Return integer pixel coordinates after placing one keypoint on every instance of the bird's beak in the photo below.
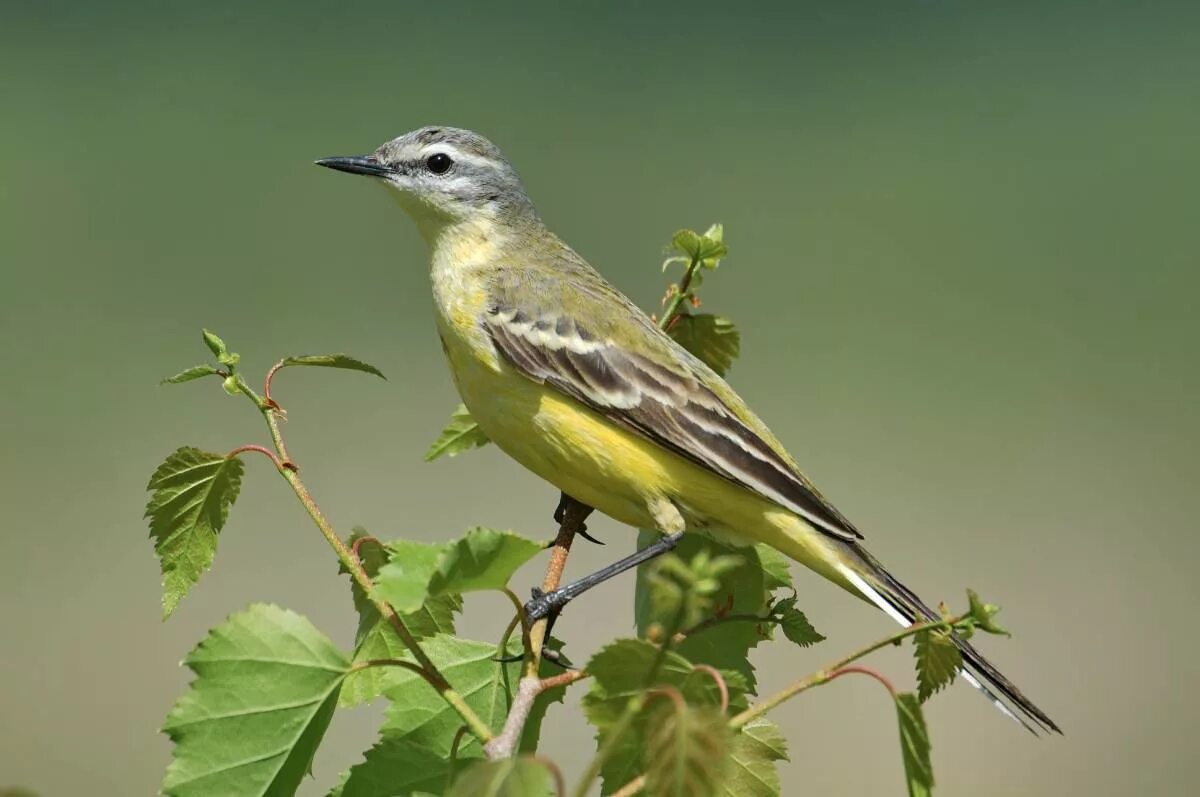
(356, 164)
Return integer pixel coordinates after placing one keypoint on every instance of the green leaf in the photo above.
(404, 580)
(620, 671)
(713, 246)
(795, 625)
(707, 249)
(750, 771)
(461, 434)
(372, 555)
(983, 614)
(685, 749)
(670, 261)
(509, 777)
(192, 493)
(214, 343)
(413, 751)
(376, 639)
(195, 372)
(914, 745)
(483, 559)
(265, 689)
(938, 661)
(742, 590)
(712, 339)
(681, 592)
(333, 361)
(380, 641)
(776, 570)
(686, 241)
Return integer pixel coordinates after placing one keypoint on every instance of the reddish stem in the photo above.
(360, 541)
(279, 464)
(716, 676)
(563, 679)
(267, 385)
(861, 670)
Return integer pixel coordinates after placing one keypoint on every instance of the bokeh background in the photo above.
(963, 257)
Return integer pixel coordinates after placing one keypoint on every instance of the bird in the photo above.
(572, 380)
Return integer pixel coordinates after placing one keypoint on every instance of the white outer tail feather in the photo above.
(871, 594)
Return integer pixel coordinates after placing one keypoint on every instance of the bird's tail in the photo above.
(881, 588)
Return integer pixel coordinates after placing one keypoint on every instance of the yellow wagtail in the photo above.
(573, 381)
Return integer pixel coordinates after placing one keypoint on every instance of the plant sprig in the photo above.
(676, 708)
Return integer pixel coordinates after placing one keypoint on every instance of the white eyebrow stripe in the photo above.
(457, 155)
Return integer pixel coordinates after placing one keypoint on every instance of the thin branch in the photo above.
(671, 310)
(267, 384)
(358, 543)
(564, 679)
(837, 668)
(858, 668)
(279, 464)
(573, 516)
(450, 771)
(429, 670)
(502, 645)
(505, 743)
(526, 642)
(704, 625)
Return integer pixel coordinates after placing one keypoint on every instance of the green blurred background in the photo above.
(963, 256)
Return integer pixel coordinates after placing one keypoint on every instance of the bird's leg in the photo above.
(549, 604)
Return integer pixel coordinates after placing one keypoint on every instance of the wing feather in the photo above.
(665, 399)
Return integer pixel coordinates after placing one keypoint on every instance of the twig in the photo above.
(858, 668)
(504, 744)
(450, 771)
(266, 452)
(728, 618)
(671, 311)
(267, 384)
(564, 679)
(573, 516)
(350, 562)
(526, 642)
(359, 543)
(836, 669)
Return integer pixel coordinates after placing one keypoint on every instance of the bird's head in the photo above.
(444, 175)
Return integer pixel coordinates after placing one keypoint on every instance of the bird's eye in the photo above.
(438, 163)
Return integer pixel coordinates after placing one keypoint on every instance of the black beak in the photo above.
(356, 164)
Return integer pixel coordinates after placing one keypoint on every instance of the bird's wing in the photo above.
(572, 331)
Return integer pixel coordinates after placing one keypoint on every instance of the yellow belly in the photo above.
(617, 471)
